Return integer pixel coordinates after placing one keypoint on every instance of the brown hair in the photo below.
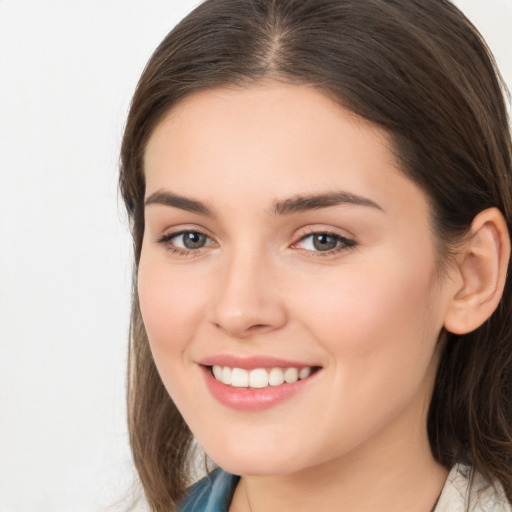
(419, 69)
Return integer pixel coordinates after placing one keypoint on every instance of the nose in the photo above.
(248, 299)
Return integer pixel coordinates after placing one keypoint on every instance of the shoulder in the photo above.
(212, 493)
(466, 489)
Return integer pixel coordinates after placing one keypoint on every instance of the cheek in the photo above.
(376, 316)
(379, 332)
(171, 305)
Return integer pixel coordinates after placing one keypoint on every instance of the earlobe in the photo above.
(482, 266)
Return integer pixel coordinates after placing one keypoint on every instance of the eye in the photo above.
(324, 242)
(190, 240)
(186, 240)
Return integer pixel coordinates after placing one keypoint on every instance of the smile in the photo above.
(257, 386)
(259, 378)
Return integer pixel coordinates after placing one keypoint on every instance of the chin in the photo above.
(255, 460)
(242, 466)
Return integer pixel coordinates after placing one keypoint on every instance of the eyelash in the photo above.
(342, 242)
(166, 239)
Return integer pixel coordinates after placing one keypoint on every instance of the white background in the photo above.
(67, 72)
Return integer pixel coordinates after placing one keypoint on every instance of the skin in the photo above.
(368, 313)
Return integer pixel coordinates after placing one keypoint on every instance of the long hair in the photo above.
(420, 70)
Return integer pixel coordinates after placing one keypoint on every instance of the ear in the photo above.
(482, 270)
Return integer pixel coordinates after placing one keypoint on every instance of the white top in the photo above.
(459, 496)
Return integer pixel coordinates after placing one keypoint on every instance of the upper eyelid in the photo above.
(324, 232)
(317, 230)
(165, 239)
(346, 241)
(328, 233)
(170, 232)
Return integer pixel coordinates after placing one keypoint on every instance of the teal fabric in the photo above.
(211, 494)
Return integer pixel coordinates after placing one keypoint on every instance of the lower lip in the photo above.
(251, 399)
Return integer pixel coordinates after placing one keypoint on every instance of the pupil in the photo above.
(324, 242)
(193, 240)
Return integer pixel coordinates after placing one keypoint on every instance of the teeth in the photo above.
(226, 375)
(259, 377)
(276, 377)
(304, 373)
(239, 378)
(291, 375)
(217, 372)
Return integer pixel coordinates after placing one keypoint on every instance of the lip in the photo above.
(249, 399)
(252, 362)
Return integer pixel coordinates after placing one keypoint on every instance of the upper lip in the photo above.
(252, 362)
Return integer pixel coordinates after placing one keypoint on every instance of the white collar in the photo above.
(466, 490)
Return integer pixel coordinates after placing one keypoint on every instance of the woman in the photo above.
(321, 205)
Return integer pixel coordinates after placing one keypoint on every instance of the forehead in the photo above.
(272, 125)
(256, 145)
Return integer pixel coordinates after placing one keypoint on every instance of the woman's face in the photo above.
(282, 240)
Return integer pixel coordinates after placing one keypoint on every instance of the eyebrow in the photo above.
(183, 203)
(303, 203)
(300, 203)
